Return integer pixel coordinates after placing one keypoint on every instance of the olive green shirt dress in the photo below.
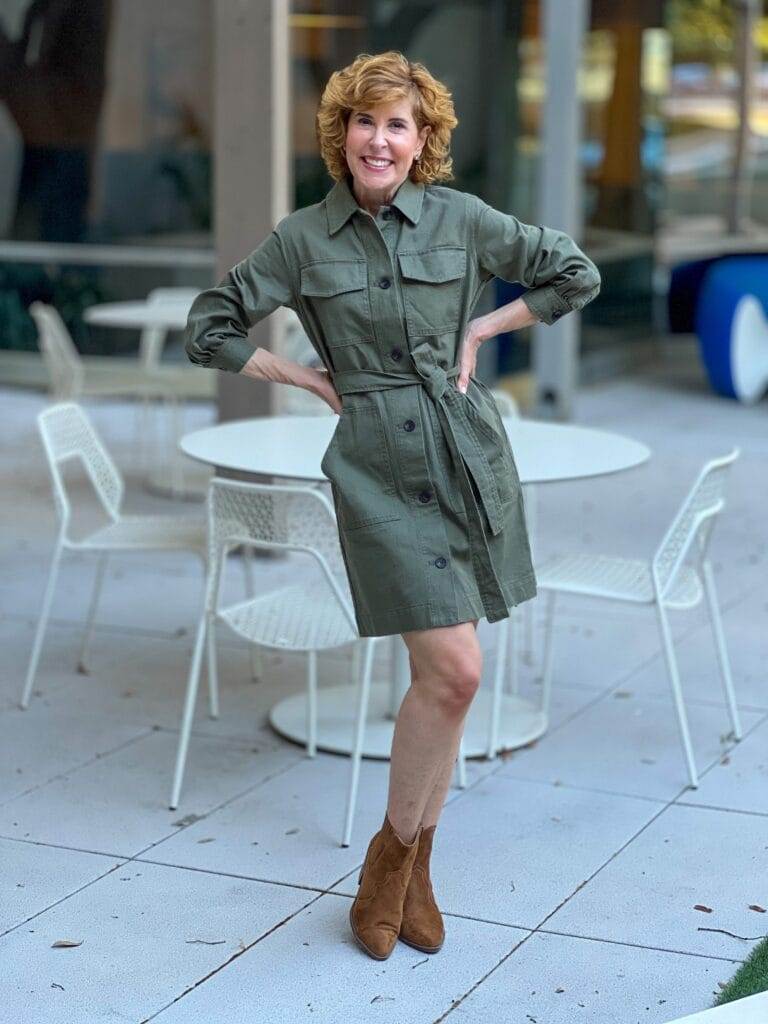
(428, 501)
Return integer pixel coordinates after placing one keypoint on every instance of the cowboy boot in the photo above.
(377, 910)
(422, 925)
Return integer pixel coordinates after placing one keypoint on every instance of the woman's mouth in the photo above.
(376, 163)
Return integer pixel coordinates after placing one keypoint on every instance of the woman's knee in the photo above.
(447, 663)
(459, 682)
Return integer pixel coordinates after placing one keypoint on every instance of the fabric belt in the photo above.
(468, 456)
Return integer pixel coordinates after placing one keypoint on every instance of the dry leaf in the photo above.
(291, 831)
(700, 906)
(757, 907)
(66, 943)
(206, 942)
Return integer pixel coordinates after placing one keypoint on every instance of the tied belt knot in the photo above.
(476, 478)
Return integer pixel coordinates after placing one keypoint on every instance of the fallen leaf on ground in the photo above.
(700, 906)
(65, 943)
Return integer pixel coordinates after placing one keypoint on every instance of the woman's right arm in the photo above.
(216, 334)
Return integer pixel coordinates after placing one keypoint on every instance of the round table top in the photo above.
(170, 314)
(293, 446)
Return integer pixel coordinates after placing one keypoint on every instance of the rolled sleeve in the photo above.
(561, 278)
(216, 333)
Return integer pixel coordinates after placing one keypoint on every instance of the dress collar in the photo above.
(340, 202)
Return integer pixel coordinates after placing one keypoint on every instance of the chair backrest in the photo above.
(152, 339)
(67, 433)
(65, 367)
(286, 517)
(505, 403)
(694, 520)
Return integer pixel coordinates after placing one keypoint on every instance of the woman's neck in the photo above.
(370, 200)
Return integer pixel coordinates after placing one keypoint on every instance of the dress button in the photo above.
(557, 314)
(396, 353)
(387, 215)
(440, 562)
(425, 496)
(384, 282)
(409, 425)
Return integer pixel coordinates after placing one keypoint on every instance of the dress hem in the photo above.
(417, 617)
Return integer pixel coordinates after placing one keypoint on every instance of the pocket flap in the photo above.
(434, 265)
(332, 277)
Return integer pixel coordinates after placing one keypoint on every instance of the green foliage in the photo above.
(701, 29)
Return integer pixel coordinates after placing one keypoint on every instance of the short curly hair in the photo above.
(377, 78)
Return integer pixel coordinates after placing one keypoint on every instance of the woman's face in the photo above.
(381, 144)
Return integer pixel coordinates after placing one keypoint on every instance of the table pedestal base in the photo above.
(180, 479)
(519, 722)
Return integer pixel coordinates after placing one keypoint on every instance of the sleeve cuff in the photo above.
(546, 304)
(232, 355)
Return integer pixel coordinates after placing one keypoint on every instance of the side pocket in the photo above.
(357, 461)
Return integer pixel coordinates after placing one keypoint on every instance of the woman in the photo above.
(384, 274)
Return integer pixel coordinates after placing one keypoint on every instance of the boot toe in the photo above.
(378, 942)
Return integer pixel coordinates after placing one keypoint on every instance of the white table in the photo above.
(293, 446)
(170, 314)
(172, 477)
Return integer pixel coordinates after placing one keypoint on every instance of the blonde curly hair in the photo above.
(372, 79)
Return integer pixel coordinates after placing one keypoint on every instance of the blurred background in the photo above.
(108, 150)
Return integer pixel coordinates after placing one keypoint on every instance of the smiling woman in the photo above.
(384, 275)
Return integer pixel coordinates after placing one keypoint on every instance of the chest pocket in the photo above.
(337, 293)
(432, 288)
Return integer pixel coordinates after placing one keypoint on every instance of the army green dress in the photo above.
(427, 496)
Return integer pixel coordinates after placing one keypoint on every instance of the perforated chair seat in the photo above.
(160, 533)
(297, 617)
(621, 579)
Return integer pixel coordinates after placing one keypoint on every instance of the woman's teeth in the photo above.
(376, 163)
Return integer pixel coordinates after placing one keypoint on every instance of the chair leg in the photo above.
(461, 766)
(82, 661)
(394, 690)
(213, 671)
(356, 662)
(42, 623)
(549, 629)
(722, 650)
(677, 693)
(311, 703)
(530, 501)
(193, 681)
(257, 660)
(502, 630)
(357, 747)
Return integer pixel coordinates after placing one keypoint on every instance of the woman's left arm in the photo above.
(561, 278)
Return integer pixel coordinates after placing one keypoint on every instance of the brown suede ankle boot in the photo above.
(422, 926)
(377, 910)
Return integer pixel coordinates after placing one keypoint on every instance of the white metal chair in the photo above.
(508, 632)
(311, 615)
(67, 375)
(676, 577)
(68, 378)
(67, 434)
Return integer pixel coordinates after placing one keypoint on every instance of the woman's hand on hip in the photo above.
(511, 317)
(322, 386)
(473, 339)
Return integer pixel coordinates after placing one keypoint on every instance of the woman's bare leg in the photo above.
(439, 792)
(446, 664)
